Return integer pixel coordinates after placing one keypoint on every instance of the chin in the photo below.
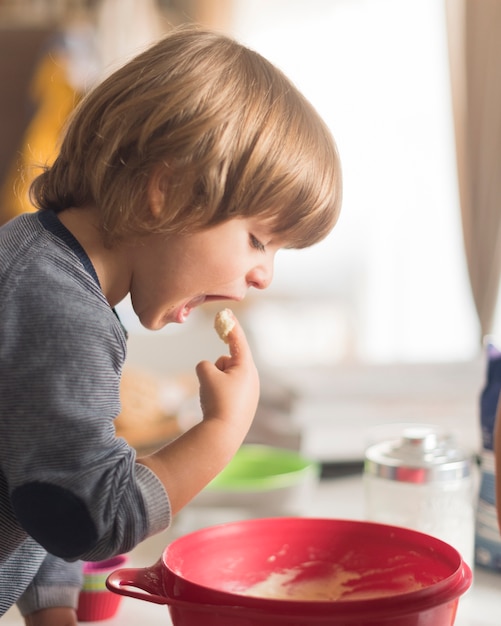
(156, 319)
(155, 324)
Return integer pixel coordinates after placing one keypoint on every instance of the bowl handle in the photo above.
(147, 579)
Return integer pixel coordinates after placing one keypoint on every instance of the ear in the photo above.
(157, 190)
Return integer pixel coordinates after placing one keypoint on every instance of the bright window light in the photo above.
(377, 71)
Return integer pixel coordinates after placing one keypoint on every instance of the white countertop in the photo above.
(335, 497)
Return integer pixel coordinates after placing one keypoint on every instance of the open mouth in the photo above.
(188, 307)
(198, 301)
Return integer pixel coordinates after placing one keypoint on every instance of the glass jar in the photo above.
(423, 481)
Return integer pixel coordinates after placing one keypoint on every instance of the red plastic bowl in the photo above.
(202, 576)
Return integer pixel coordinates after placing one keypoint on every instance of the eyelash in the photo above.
(255, 243)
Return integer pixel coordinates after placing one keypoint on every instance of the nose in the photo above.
(260, 277)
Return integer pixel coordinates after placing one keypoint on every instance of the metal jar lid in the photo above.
(421, 455)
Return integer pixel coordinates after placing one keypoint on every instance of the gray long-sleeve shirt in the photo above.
(69, 488)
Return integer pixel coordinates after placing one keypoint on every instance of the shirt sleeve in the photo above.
(75, 486)
(57, 584)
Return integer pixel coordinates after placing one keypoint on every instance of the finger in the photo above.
(237, 342)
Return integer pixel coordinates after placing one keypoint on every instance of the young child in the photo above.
(178, 179)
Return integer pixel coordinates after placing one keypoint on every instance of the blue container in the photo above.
(487, 534)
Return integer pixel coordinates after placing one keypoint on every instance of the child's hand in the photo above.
(229, 388)
(229, 392)
(56, 616)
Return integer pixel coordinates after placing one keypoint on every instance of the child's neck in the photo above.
(110, 263)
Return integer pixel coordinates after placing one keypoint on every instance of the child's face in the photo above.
(173, 275)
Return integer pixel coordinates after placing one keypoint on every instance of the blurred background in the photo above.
(386, 319)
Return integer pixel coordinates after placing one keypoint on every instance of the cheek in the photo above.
(228, 272)
(218, 266)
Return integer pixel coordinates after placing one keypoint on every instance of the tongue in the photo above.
(186, 310)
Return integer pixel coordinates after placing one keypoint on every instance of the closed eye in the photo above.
(255, 243)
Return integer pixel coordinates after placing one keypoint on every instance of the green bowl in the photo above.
(264, 468)
(259, 481)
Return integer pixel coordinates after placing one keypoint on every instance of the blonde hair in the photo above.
(235, 137)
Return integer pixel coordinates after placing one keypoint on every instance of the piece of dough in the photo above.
(224, 323)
